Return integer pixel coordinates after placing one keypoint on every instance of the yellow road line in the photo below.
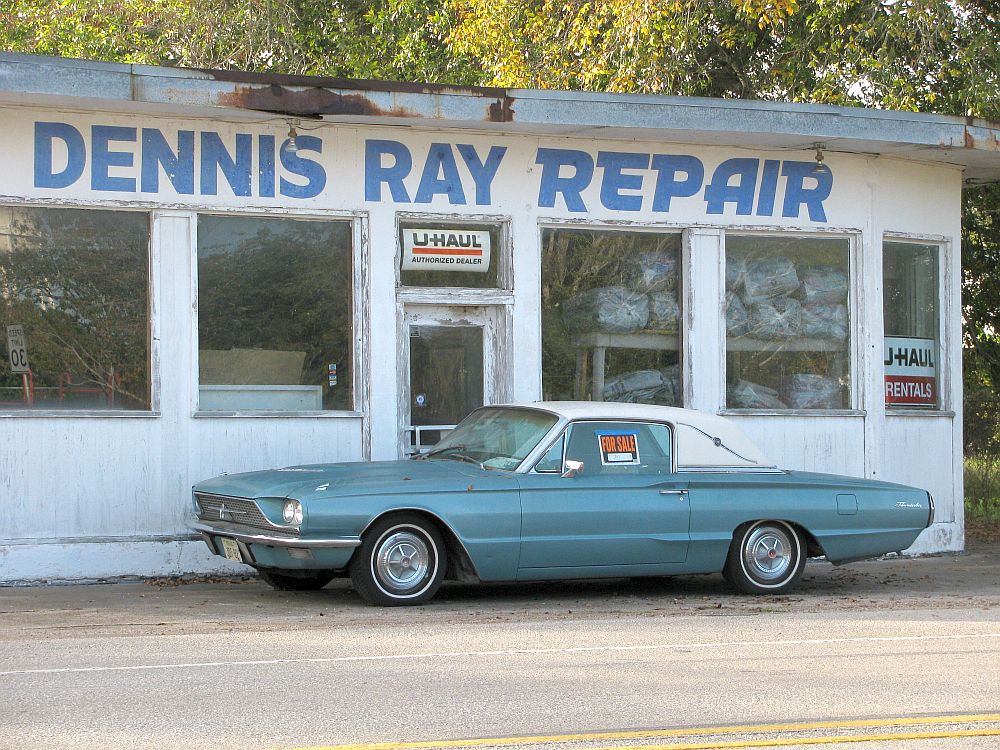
(801, 741)
(708, 731)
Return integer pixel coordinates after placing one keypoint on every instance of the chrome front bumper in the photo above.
(270, 540)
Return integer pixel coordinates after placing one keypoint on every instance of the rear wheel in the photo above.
(401, 561)
(312, 580)
(765, 557)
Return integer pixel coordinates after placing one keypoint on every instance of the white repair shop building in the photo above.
(207, 271)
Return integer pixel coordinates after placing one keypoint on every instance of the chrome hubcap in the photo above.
(402, 560)
(767, 553)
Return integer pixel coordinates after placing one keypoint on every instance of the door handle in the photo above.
(674, 492)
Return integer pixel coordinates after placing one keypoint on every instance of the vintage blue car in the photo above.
(555, 490)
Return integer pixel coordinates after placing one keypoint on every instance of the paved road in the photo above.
(296, 688)
(648, 664)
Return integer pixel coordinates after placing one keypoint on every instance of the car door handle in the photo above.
(674, 492)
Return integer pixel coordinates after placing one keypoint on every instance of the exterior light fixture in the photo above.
(291, 144)
(820, 166)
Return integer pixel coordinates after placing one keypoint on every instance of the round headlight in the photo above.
(291, 512)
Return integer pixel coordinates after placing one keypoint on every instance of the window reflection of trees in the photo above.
(282, 285)
(77, 280)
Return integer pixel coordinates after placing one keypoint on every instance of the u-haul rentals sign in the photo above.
(910, 371)
(446, 250)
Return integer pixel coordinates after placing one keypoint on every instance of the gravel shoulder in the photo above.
(209, 605)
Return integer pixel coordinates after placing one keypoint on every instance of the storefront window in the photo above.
(274, 314)
(435, 254)
(611, 315)
(787, 323)
(910, 312)
(74, 309)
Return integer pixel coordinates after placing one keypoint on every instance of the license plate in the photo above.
(231, 549)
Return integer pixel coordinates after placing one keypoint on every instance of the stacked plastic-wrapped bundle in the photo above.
(607, 309)
(664, 312)
(769, 299)
(645, 386)
(654, 272)
(767, 278)
(737, 318)
(771, 312)
(776, 318)
(808, 391)
(821, 321)
(824, 303)
(648, 302)
(746, 395)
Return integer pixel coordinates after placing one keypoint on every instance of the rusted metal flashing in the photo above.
(989, 141)
(310, 102)
(349, 84)
(502, 110)
(310, 96)
(317, 101)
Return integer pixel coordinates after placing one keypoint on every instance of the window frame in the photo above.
(152, 322)
(501, 294)
(562, 432)
(853, 346)
(360, 317)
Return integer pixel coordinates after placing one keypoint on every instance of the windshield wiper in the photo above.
(466, 457)
(439, 451)
(448, 450)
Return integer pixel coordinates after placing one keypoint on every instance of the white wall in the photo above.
(92, 496)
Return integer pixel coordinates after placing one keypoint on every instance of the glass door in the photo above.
(449, 369)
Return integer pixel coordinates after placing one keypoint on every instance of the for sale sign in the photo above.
(910, 371)
(17, 349)
(618, 448)
(446, 250)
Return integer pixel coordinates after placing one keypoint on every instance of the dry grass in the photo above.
(982, 499)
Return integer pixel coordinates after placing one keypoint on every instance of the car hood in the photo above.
(357, 478)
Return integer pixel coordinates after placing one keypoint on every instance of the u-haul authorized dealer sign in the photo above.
(910, 371)
(446, 250)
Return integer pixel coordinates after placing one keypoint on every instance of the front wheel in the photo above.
(401, 561)
(766, 557)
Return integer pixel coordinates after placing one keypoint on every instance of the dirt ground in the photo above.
(192, 605)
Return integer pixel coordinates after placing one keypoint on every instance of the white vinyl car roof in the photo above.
(704, 441)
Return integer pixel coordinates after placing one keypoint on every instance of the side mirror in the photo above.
(572, 469)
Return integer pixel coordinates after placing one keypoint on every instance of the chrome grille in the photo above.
(234, 510)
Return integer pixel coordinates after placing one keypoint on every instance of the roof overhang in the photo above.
(971, 144)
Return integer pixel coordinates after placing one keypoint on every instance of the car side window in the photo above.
(552, 461)
(640, 448)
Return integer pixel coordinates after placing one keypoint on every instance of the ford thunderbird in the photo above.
(550, 491)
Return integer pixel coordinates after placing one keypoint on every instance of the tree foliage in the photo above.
(77, 281)
(911, 54)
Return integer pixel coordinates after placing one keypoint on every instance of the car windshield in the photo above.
(495, 438)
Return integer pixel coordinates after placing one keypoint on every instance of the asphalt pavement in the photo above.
(206, 604)
(895, 653)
